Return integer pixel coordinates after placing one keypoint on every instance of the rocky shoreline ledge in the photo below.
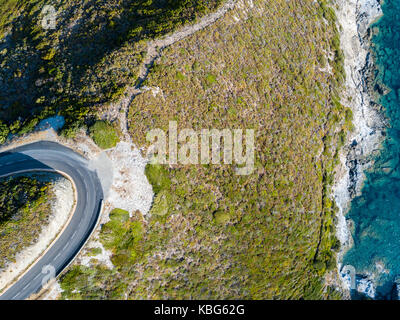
(364, 142)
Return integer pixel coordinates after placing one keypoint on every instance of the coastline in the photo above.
(364, 142)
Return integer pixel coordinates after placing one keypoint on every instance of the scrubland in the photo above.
(272, 66)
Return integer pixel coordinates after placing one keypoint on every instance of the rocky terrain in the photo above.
(364, 142)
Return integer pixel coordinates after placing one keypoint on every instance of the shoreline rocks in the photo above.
(364, 142)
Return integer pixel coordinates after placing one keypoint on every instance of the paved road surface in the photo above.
(51, 156)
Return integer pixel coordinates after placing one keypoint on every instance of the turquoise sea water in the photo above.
(376, 213)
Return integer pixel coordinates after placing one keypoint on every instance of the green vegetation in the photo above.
(25, 209)
(81, 278)
(161, 204)
(4, 131)
(158, 177)
(84, 63)
(338, 64)
(104, 134)
(221, 217)
(267, 235)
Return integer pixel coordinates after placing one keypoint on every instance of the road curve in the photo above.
(50, 156)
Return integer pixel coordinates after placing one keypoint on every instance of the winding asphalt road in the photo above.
(50, 156)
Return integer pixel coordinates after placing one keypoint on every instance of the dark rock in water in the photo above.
(353, 177)
(380, 89)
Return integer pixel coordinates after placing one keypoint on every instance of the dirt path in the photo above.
(121, 109)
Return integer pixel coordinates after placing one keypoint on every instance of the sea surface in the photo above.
(376, 212)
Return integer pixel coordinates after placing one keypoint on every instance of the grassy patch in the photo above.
(24, 210)
(123, 236)
(221, 217)
(104, 134)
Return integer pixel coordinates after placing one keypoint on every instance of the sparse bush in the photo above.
(62, 78)
(104, 134)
